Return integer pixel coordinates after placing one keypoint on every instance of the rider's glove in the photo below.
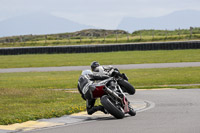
(115, 73)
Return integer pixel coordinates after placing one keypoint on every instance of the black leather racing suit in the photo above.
(86, 84)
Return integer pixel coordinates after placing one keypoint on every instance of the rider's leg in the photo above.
(90, 106)
(90, 102)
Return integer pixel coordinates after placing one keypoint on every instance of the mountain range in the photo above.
(38, 23)
(179, 19)
(45, 23)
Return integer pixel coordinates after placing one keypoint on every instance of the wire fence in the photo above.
(103, 38)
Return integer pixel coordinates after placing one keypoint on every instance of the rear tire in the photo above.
(111, 108)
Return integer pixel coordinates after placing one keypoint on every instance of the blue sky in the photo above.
(98, 13)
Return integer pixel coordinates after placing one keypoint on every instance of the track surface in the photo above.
(175, 111)
(79, 68)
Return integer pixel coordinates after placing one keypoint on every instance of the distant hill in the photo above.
(38, 23)
(73, 35)
(97, 32)
(180, 19)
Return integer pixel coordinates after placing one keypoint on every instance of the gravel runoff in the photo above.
(121, 67)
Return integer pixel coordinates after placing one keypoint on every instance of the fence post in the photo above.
(104, 37)
(116, 36)
(3, 41)
(21, 39)
(91, 37)
(57, 37)
(179, 33)
(191, 29)
(80, 38)
(69, 38)
(8, 40)
(127, 36)
(13, 40)
(153, 34)
(35, 39)
(166, 33)
(24, 40)
(31, 39)
(45, 39)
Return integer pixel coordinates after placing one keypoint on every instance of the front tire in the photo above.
(111, 108)
(126, 86)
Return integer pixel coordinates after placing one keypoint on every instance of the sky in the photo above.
(98, 13)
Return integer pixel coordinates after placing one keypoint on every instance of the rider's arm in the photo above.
(108, 68)
(79, 89)
(97, 76)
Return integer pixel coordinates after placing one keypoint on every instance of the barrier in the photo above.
(101, 48)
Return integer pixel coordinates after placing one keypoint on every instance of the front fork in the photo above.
(126, 105)
(123, 100)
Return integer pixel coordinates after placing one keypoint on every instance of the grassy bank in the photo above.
(31, 96)
(93, 36)
(109, 58)
(114, 40)
(88, 41)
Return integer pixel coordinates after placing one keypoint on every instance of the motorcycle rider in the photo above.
(124, 84)
(86, 84)
(95, 67)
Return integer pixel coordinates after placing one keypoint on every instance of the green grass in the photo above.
(20, 105)
(61, 80)
(84, 41)
(31, 96)
(43, 80)
(163, 76)
(108, 58)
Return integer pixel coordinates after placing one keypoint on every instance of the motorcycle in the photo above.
(112, 96)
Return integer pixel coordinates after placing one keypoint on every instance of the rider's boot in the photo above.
(102, 109)
(95, 109)
(132, 112)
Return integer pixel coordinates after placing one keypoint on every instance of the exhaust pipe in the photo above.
(109, 91)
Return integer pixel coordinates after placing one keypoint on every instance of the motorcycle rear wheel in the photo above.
(111, 107)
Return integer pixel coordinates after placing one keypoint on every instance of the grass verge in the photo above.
(131, 38)
(128, 57)
(31, 96)
(20, 105)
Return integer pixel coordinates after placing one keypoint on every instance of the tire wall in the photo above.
(101, 48)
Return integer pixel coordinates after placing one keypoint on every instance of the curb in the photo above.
(76, 118)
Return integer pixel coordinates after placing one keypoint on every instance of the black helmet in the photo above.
(94, 64)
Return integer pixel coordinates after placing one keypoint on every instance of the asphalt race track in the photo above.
(169, 111)
(121, 67)
(158, 111)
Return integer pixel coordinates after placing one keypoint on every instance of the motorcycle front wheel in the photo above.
(111, 107)
(126, 86)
